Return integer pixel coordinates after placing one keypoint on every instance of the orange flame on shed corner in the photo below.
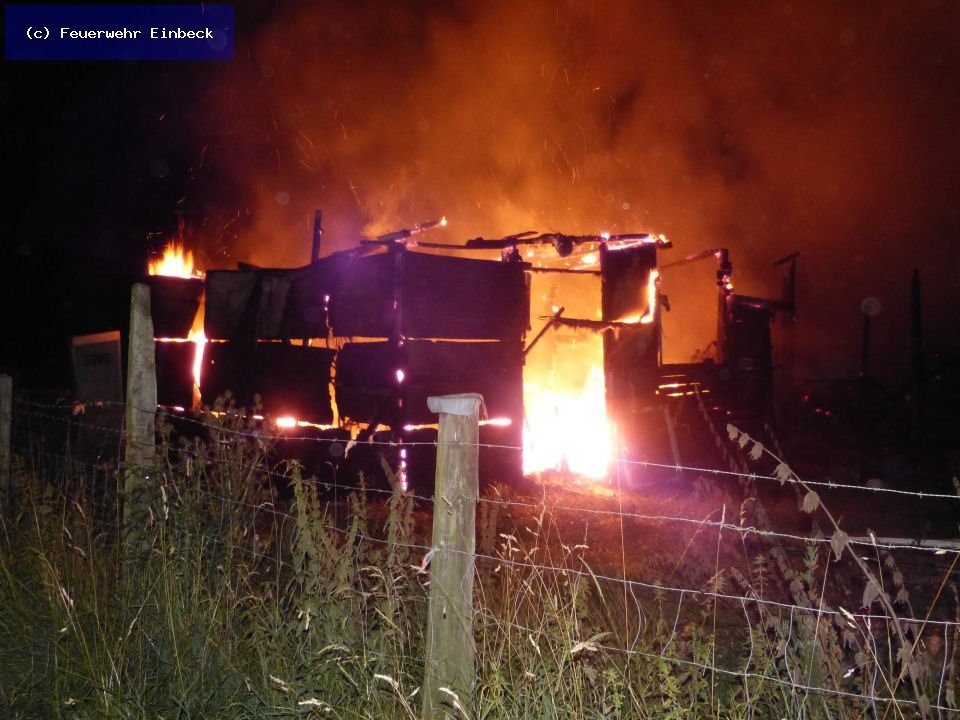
(652, 282)
(177, 262)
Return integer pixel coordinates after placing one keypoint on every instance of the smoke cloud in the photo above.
(764, 127)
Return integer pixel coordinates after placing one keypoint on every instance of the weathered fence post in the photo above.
(449, 672)
(6, 421)
(141, 408)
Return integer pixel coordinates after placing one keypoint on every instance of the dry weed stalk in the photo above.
(840, 541)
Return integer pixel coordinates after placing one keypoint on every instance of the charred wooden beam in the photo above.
(551, 322)
(317, 234)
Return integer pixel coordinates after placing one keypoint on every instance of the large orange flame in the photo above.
(566, 427)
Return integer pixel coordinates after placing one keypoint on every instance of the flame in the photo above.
(175, 262)
(199, 339)
(681, 389)
(289, 422)
(565, 425)
(649, 314)
(651, 297)
(492, 422)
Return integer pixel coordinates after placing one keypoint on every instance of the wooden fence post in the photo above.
(140, 417)
(6, 421)
(449, 672)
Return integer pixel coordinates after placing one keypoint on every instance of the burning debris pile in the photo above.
(561, 335)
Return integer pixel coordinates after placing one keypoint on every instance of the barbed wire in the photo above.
(683, 592)
(925, 545)
(524, 563)
(653, 587)
(699, 522)
(426, 550)
(745, 673)
(947, 627)
(260, 433)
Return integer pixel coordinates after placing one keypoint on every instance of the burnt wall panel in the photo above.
(294, 380)
(631, 367)
(749, 354)
(631, 354)
(223, 371)
(290, 379)
(175, 373)
(460, 298)
(229, 295)
(493, 369)
(305, 314)
(748, 336)
(436, 297)
(270, 299)
(365, 383)
(173, 304)
(367, 389)
(624, 274)
(247, 304)
(361, 305)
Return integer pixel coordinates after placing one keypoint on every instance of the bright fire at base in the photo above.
(566, 428)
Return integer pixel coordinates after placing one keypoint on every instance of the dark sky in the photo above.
(765, 127)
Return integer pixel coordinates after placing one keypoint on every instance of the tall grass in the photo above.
(255, 595)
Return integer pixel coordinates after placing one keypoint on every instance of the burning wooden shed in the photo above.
(354, 343)
(388, 329)
(358, 340)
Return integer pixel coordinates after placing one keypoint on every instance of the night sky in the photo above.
(764, 127)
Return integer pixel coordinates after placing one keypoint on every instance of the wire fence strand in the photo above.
(535, 545)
